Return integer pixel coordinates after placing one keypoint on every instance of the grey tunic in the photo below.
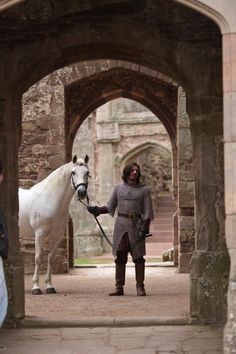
(130, 199)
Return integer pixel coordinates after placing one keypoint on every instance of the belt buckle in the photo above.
(132, 216)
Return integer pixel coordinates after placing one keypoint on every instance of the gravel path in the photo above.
(83, 293)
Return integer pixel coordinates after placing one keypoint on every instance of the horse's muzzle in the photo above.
(81, 192)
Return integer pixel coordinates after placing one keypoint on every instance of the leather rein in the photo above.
(100, 226)
(86, 205)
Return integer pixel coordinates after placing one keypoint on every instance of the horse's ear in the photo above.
(74, 159)
(86, 159)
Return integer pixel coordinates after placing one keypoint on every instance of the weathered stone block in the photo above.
(184, 262)
(187, 247)
(186, 223)
(88, 246)
(211, 264)
(207, 298)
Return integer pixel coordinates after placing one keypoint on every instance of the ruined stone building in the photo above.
(174, 57)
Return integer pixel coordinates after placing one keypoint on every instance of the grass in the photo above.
(100, 260)
(84, 261)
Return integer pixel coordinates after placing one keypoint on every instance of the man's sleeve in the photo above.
(112, 203)
(148, 207)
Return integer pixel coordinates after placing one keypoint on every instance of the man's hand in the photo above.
(143, 232)
(95, 210)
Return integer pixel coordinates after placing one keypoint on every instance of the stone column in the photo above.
(87, 237)
(185, 244)
(210, 261)
(107, 135)
(41, 152)
(9, 143)
(229, 65)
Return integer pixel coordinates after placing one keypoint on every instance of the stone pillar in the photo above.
(185, 244)
(210, 261)
(229, 60)
(107, 135)
(175, 195)
(87, 237)
(41, 152)
(9, 143)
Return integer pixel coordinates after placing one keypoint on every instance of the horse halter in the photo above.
(76, 186)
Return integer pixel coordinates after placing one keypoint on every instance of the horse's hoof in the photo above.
(36, 291)
(51, 291)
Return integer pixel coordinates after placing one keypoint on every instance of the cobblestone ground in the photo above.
(136, 340)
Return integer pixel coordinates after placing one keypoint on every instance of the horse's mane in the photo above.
(62, 172)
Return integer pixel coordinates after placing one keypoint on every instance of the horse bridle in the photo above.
(76, 186)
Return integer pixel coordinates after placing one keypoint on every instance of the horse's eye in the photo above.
(73, 173)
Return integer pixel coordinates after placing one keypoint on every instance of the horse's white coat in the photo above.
(44, 210)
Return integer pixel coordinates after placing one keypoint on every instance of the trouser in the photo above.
(121, 260)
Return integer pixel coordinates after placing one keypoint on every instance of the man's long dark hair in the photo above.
(1, 167)
(127, 171)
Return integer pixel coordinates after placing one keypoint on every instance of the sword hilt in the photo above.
(148, 235)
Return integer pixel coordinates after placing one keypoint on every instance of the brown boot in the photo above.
(139, 272)
(118, 292)
(120, 280)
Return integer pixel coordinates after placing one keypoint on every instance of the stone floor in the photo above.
(82, 319)
(104, 340)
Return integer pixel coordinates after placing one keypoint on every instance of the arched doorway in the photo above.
(206, 124)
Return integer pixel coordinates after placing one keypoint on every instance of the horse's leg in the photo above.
(39, 237)
(53, 245)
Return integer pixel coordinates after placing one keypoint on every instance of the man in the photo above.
(3, 255)
(132, 199)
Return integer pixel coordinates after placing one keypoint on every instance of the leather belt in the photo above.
(130, 216)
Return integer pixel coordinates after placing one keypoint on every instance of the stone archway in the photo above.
(164, 45)
(45, 152)
(86, 95)
(107, 151)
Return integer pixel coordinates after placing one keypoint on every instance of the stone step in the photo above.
(165, 223)
(158, 233)
(163, 215)
(165, 200)
(166, 208)
(161, 226)
(156, 249)
(161, 232)
(162, 221)
(161, 239)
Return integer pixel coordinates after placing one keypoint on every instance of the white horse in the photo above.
(44, 211)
